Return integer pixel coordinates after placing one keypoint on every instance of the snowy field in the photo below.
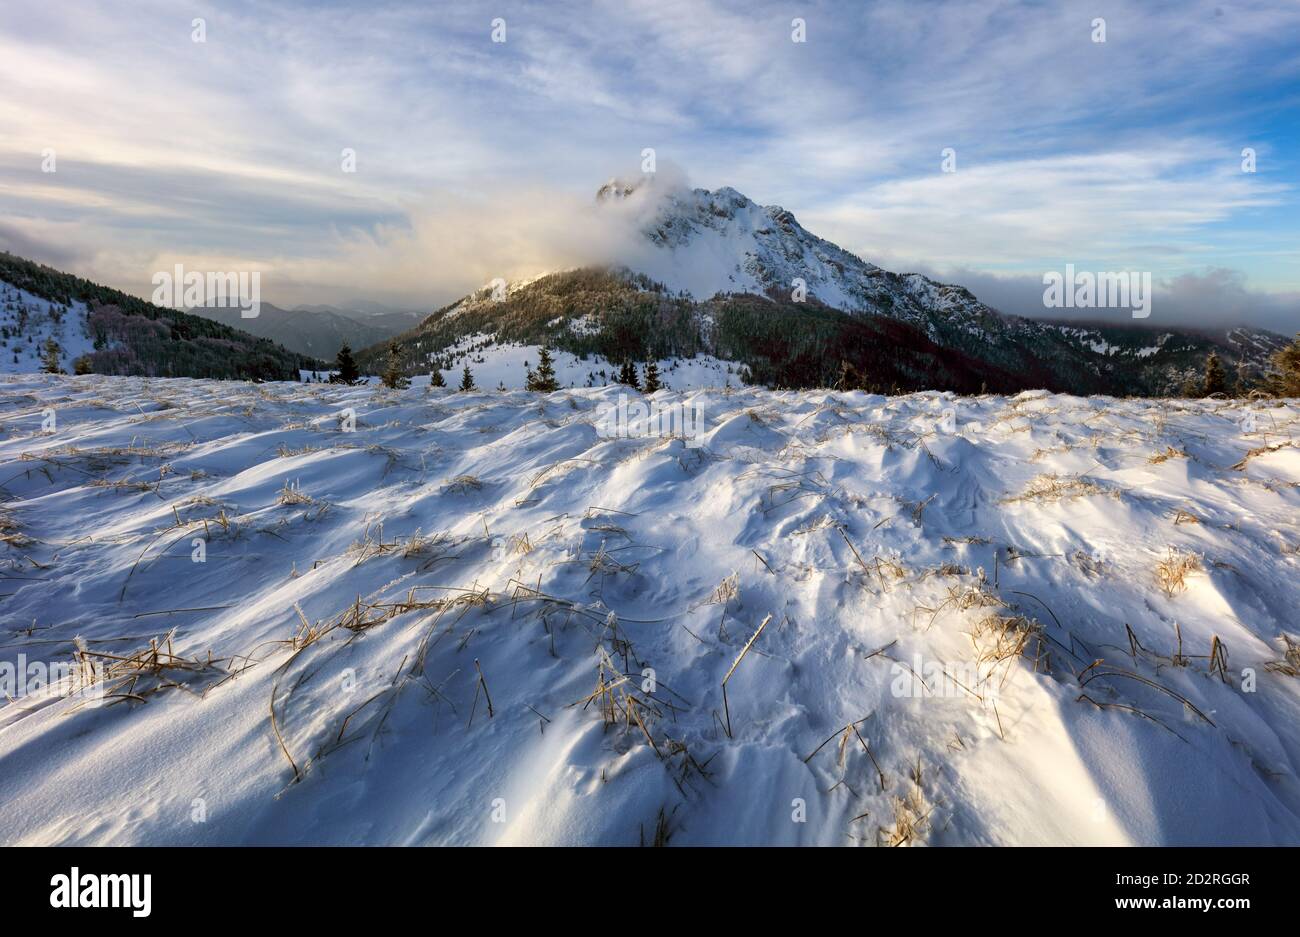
(290, 613)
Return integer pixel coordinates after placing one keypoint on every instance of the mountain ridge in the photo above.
(699, 251)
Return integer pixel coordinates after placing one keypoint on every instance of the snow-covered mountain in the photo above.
(714, 273)
(723, 242)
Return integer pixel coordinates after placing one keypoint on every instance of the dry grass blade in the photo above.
(1172, 571)
(1053, 487)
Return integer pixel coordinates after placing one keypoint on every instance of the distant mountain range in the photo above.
(320, 330)
(715, 274)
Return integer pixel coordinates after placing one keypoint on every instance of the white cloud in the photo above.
(1107, 208)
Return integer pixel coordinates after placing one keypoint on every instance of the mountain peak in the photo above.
(616, 189)
(707, 242)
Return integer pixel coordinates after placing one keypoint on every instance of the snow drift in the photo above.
(318, 614)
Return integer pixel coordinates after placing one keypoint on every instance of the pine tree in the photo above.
(627, 374)
(50, 360)
(1285, 379)
(346, 365)
(1216, 379)
(651, 383)
(467, 380)
(436, 379)
(392, 376)
(543, 379)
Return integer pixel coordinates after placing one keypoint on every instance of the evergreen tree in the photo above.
(50, 360)
(392, 376)
(82, 365)
(1285, 379)
(1216, 379)
(651, 382)
(436, 379)
(346, 365)
(543, 379)
(627, 374)
(467, 380)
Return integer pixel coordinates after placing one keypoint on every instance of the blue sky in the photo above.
(475, 158)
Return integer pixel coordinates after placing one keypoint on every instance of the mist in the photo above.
(1217, 298)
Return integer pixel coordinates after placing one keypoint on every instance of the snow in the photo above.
(493, 364)
(379, 565)
(704, 243)
(30, 321)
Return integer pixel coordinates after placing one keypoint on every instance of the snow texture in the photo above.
(440, 617)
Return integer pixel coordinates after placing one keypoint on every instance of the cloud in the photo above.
(1104, 208)
(455, 243)
(47, 249)
(1212, 298)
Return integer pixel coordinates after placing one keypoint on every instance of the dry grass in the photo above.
(1169, 453)
(1052, 487)
(962, 598)
(727, 590)
(1003, 637)
(1290, 662)
(462, 484)
(138, 676)
(123, 485)
(603, 563)
(418, 544)
(1091, 565)
(292, 494)
(519, 545)
(286, 452)
(1172, 571)
(10, 532)
(1258, 451)
(911, 818)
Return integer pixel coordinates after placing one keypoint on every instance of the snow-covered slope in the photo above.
(496, 364)
(28, 321)
(477, 618)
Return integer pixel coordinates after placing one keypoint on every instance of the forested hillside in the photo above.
(133, 337)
